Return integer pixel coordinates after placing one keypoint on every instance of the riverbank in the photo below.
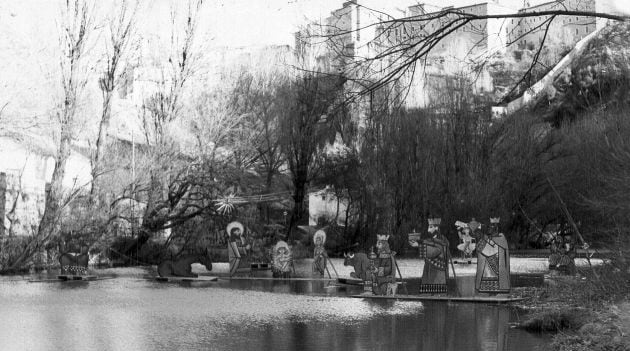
(587, 312)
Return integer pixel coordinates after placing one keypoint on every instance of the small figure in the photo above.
(493, 261)
(282, 260)
(435, 253)
(238, 249)
(73, 259)
(467, 245)
(320, 257)
(360, 262)
(563, 251)
(385, 268)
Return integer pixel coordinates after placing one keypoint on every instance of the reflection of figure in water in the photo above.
(238, 248)
(319, 253)
(385, 268)
(562, 246)
(435, 253)
(493, 261)
(282, 261)
(467, 242)
(492, 327)
(360, 262)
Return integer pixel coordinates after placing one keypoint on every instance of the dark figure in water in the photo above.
(73, 262)
(360, 262)
(181, 267)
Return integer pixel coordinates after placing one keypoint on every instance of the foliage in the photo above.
(312, 104)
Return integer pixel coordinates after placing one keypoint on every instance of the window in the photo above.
(576, 31)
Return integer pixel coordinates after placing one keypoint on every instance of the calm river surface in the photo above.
(132, 313)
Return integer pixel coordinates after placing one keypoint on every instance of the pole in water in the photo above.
(332, 265)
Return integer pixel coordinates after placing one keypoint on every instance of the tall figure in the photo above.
(320, 257)
(434, 251)
(493, 261)
(385, 267)
(238, 249)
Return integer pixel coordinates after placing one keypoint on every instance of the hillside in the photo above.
(596, 80)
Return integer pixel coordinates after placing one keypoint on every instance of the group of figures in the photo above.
(493, 258)
(246, 255)
(378, 270)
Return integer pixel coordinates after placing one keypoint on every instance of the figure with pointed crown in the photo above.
(434, 251)
(384, 267)
(320, 257)
(493, 261)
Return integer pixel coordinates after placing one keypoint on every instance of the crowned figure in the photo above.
(493, 261)
(434, 251)
(320, 257)
(384, 266)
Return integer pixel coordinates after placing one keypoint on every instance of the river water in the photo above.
(129, 312)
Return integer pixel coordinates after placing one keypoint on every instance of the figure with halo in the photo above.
(320, 257)
(238, 248)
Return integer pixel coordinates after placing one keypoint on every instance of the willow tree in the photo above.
(312, 103)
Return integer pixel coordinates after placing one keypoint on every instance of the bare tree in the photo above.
(159, 112)
(121, 32)
(75, 29)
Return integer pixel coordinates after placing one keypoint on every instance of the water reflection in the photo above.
(133, 314)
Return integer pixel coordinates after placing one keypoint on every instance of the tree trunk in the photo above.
(50, 225)
(299, 194)
(100, 145)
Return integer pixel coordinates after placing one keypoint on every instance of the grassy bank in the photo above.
(588, 312)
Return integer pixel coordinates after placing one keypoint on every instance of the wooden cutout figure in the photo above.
(73, 259)
(467, 242)
(434, 251)
(181, 267)
(563, 250)
(320, 257)
(493, 261)
(282, 261)
(360, 262)
(385, 268)
(238, 249)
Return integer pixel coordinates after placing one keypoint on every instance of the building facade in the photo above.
(368, 43)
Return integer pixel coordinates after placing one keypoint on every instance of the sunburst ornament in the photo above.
(225, 206)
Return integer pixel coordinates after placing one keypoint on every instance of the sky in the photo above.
(264, 22)
(225, 22)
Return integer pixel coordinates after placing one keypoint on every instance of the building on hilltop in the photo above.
(358, 41)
